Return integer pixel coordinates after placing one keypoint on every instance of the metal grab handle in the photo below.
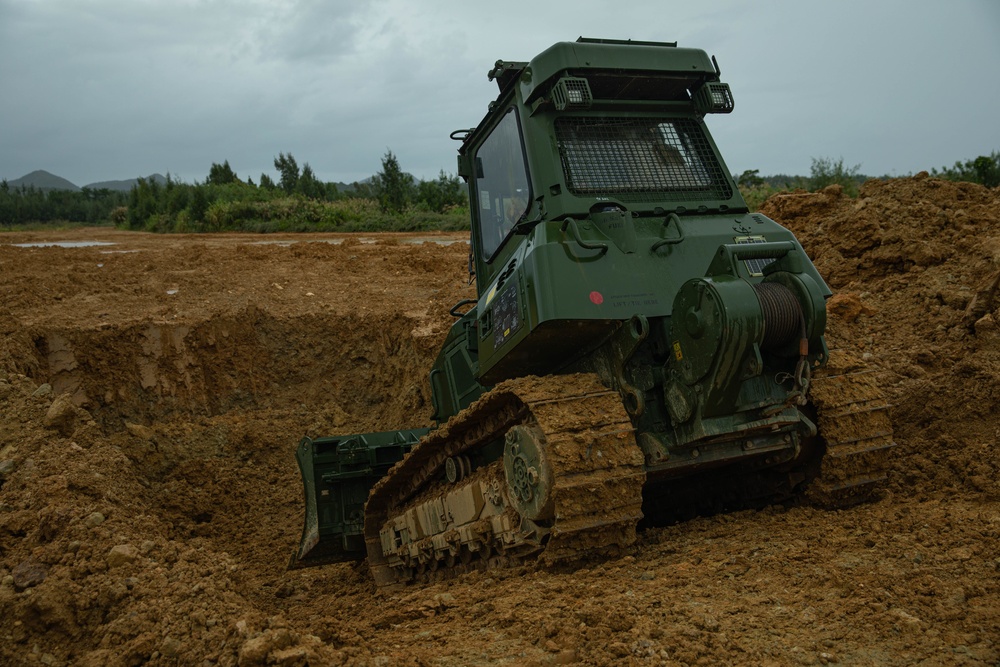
(680, 233)
(769, 250)
(434, 394)
(728, 254)
(575, 231)
(464, 302)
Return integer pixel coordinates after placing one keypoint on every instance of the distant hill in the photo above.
(126, 185)
(43, 180)
(349, 187)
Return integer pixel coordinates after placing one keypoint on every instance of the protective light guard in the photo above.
(714, 97)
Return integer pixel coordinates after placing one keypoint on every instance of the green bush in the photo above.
(756, 195)
(183, 224)
(160, 222)
(119, 216)
(825, 172)
(984, 170)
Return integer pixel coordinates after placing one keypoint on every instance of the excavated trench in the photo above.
(205, 411)
(192, 427)
(145, 373)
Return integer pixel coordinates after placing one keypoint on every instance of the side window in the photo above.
(502, 193)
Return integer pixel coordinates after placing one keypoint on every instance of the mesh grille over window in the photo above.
(640, 159)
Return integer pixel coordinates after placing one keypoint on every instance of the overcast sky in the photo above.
(95, 90)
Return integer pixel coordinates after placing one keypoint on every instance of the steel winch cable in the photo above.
(782, 313)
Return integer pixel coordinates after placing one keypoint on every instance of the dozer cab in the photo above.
(641, 341)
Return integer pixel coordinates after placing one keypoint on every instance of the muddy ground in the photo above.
(152, 393)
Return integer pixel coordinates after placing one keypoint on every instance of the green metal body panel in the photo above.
(608, 236)
(454, 384)
(583, 294)
(603, 55)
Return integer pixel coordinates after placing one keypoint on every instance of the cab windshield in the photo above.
(502, 191)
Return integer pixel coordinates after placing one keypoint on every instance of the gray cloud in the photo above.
(95, 90)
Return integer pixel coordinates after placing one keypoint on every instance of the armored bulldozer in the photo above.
(641, 341)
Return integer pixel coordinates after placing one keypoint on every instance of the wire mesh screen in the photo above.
(640, 159)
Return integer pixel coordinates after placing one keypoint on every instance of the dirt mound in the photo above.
(915, 265)
(152, 393)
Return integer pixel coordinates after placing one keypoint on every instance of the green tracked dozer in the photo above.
(641, 342)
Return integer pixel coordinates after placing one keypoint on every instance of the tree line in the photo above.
(295, 200)
(391, 200)
(984, 170)
(21, 205)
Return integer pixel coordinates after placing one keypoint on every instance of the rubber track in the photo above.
(853, 420)
(597, 465)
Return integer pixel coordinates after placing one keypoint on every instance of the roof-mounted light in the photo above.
(571, 93)
(714, 97)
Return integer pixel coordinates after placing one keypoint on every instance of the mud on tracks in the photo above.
(153, 391)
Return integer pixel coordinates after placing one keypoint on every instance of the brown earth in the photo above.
(152, 393)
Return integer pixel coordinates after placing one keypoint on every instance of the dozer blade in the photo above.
(337, 474)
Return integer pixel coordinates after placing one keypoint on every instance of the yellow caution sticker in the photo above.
(489, 295)
(677, 350)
